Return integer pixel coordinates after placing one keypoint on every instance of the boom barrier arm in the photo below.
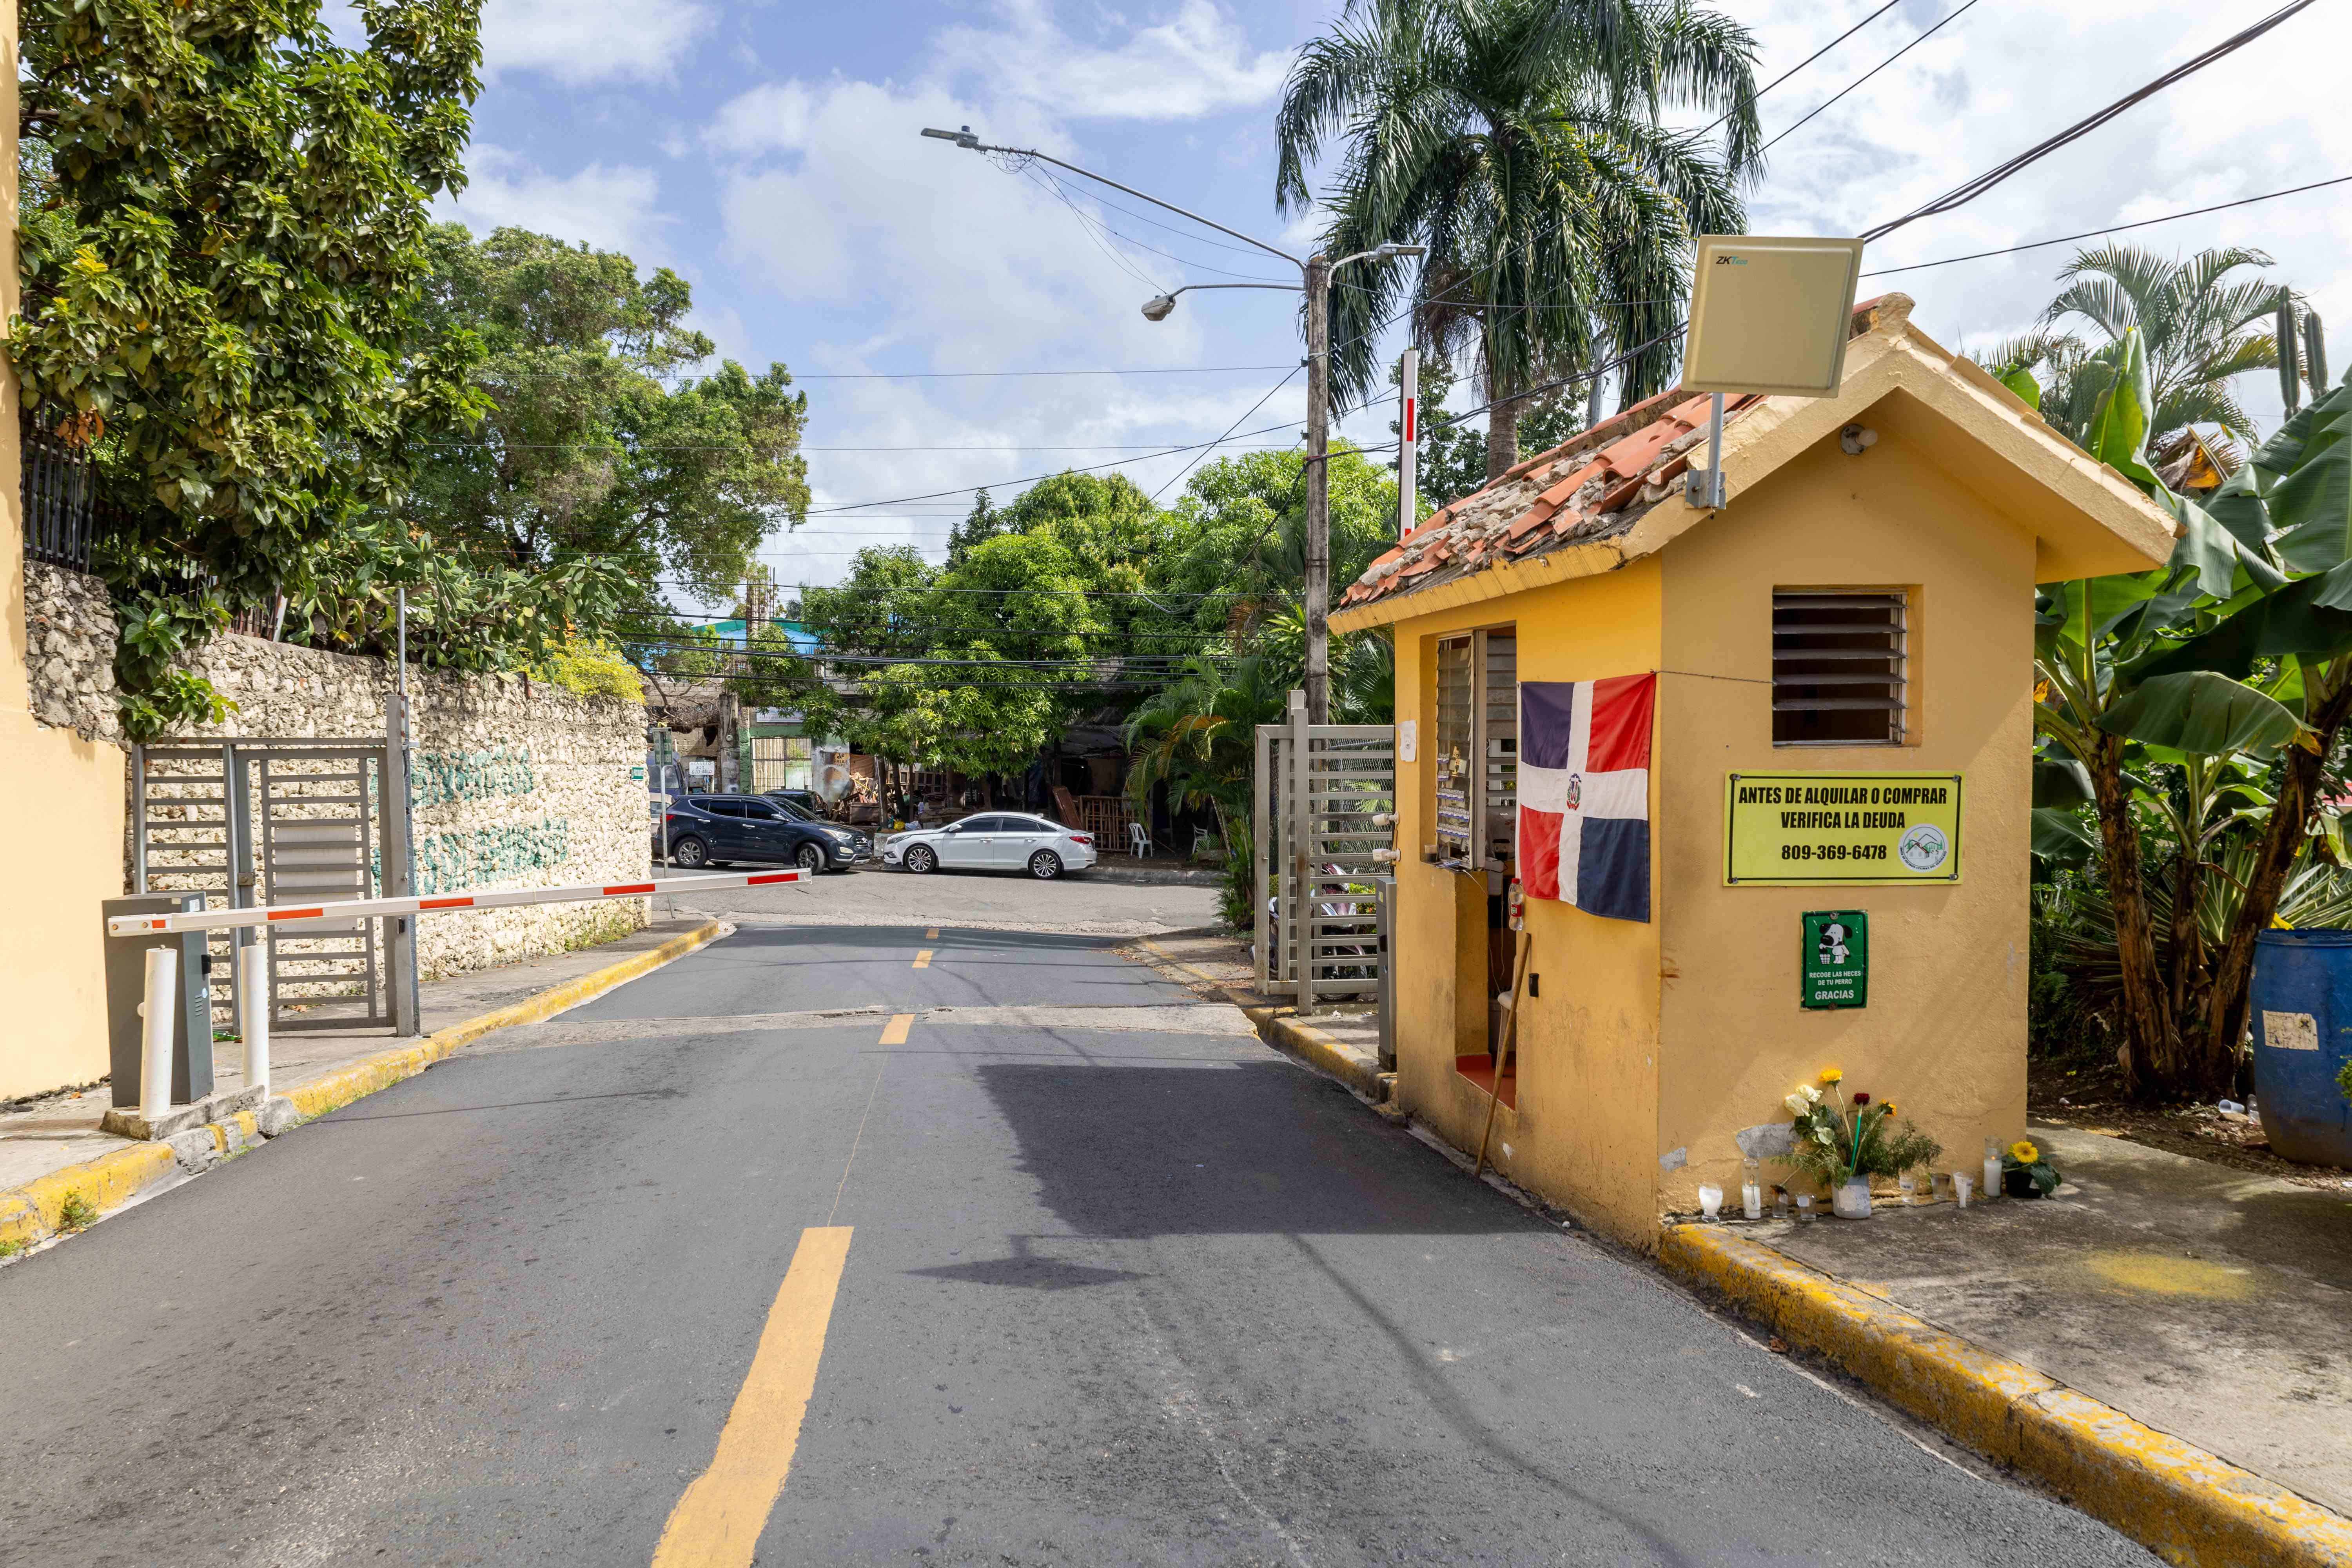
(504, 899)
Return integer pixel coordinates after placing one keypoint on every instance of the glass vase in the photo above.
(1851, 1200)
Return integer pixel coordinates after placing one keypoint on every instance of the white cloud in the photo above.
(772, 118)
(611, 206)
(1999, 80)
(1197, 62)
(582, 41)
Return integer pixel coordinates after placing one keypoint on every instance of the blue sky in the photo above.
(768, 153)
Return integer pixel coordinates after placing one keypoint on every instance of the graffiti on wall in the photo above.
(451, 862)
(436, 778)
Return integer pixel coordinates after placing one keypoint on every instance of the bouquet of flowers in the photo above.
(1835, 1141)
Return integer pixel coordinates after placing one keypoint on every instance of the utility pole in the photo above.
(1316, 279)
(1319, 489)
(1408, 440)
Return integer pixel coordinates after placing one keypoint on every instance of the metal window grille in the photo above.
(1455, 755)
(57, 493)
(1839, 667)
(1498, 744)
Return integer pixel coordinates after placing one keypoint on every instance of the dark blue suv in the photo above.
(714, 829)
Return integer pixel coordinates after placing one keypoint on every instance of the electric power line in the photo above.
(1968, 191)
(2117, 228)
(1949, 16)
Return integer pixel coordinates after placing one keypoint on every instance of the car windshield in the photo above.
(792, 808)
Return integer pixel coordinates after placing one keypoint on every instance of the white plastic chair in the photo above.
(1139, 841)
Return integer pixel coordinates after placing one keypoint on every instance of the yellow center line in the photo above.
(717, 1524)
(923, 958)
(894, 1033)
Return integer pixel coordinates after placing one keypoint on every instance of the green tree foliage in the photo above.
(220, 250)
(1523, 142)
(1239, 532)
(597, 441)
(2200, 325)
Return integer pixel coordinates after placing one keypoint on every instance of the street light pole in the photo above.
(1315, 279)
(1319, 489)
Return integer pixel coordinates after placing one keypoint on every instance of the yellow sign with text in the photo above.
(1805, 829)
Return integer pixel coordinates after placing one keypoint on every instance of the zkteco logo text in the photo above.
(1731, 262)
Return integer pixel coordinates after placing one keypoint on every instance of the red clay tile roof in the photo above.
(1593, 487)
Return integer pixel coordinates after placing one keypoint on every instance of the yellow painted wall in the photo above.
(1582, 1133)
(61, 795)
(1943, 1032)
(1650, 1041)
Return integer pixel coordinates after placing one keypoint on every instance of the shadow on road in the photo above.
(1254, 1148)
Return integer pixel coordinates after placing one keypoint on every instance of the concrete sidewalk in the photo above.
(2163, 1339)
(2205, 1302)
(61, 1133)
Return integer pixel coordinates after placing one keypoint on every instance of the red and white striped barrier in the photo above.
(506, 898)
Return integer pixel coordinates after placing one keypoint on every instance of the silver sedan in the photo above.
(993, 841)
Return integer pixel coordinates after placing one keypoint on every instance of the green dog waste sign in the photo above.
(1833, 965)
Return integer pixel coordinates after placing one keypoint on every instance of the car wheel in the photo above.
(1045, 865)
(921, 860)
(691, 853)
(811, 860)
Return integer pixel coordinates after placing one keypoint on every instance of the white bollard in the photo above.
(253, 1008)
(159, 1013)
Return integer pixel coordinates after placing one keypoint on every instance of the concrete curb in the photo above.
(32, 1213)
(2181, 1502)
(1277, 1028)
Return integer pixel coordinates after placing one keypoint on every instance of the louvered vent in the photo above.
(1838, 668)
(1456, 751)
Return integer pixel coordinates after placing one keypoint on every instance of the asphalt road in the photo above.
(1087, 1278)
(1086, 903)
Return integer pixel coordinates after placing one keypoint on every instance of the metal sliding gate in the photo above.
(1325, 814)
(261, 821)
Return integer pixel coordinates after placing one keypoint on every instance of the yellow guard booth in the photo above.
(1840, 727)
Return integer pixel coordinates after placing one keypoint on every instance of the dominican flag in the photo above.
(1585, 793)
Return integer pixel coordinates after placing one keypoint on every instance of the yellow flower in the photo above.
(2024, 1154)
(1888, 1107)
(1831, 1075)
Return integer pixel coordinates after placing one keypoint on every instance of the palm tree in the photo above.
(1520, 141)
(2199, 329)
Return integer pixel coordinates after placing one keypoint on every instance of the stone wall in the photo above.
(69, 651)
(515, 783)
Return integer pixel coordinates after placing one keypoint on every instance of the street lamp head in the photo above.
(963, 138)
(1390, 249)
(1156, 308)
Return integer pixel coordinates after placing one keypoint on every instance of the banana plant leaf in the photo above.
(2312, 503)
(2060, 781)
(2199, 712)
(2118, 433)
(2020, 382)
(2061, 836)
(2312, 617)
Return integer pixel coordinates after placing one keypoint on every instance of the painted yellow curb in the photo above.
(29, 1213)
(1277, 1028)
(2185, 1504)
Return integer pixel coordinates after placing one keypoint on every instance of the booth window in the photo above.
(1478, 756)
(1838, 676)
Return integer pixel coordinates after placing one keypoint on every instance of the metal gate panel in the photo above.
(319, 842)
(1326, 811)
(259, 820)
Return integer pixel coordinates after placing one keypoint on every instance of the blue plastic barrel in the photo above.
(2302, 1037)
